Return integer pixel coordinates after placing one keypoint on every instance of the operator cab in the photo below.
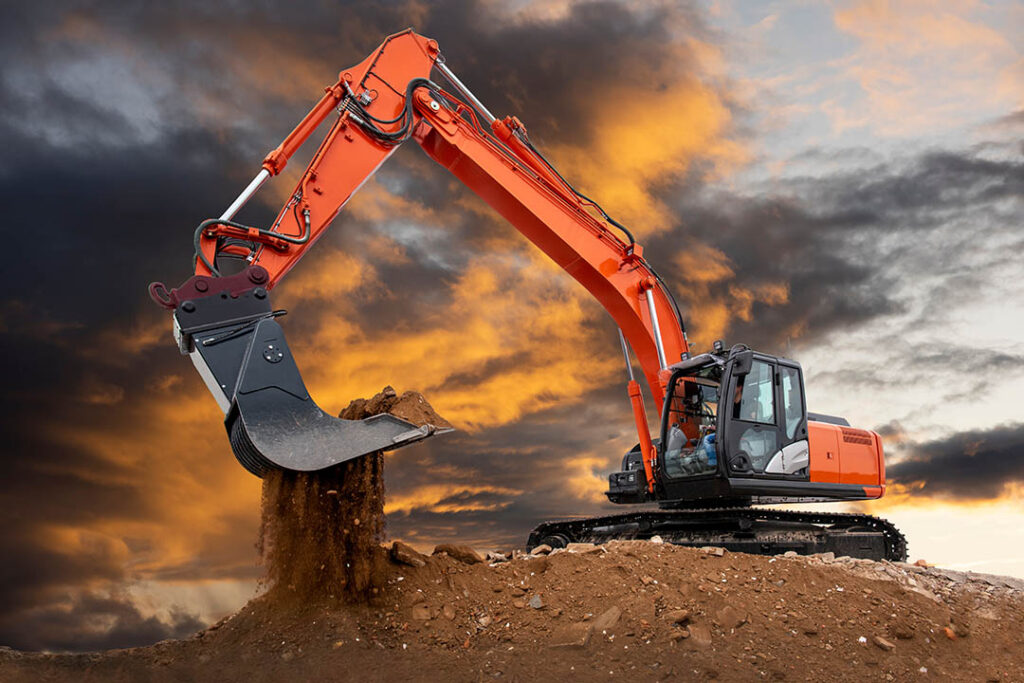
(734, 427)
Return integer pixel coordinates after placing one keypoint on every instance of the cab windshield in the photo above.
(692, 421)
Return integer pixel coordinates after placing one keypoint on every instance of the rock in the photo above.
(826, 557)
(538, 565)
(922, 563)
(420, 612)
(607, 619)
(646, 580)
(496, 557)
(884, 644)
(949, 633)
(448, 612)
(404, 554)
(790, 553)
(700, 636)
(713, 550)
(729, 619)
(656, 539)
(680, 634)
(677, 616)
(961, 627)
(484, 620)
(462, 553)
(926, 593)
(519, 604)
(583, 548)
(536, 602)
(901, 630)
(542, 549)
(571, 636)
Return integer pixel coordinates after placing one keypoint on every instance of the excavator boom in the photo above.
(382, 102)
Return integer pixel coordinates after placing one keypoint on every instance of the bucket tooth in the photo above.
(272, 422)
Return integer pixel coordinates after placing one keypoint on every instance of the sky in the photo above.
(840, 183)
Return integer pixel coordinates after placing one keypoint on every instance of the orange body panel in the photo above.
(843, 455)
(824, 445)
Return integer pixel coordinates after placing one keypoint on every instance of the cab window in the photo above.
(754, 400)
(792, 400)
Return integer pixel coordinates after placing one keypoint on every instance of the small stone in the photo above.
(680, 634)
(449, 612)
(790, 553)
(729, 619)
(536, 602)
(713, 550)
(607, 619)
(571, 636)
(950, 633)
(462, 553)
(331, 492)
(646, 580)
(700, 636)
(826, 557)
(884, 644)
(493, 557)
(405, 554)
(519, 604)
(583, 548)
(677, 616)
(922, 563)
(484, 621)
(657, 539)
(542, 549)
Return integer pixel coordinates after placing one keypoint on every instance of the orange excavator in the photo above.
(734, 431)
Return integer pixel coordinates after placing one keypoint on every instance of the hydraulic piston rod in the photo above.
(246, 195)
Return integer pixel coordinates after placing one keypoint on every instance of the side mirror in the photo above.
(742, 362)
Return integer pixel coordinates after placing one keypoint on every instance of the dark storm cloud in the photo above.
(823, 237)
(975, 465)
(91, 622)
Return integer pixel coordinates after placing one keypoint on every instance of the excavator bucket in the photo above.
(239, 348)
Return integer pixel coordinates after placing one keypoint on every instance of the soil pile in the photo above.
(636, 610)
(321, 532)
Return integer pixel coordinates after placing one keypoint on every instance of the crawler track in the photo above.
(762, 531)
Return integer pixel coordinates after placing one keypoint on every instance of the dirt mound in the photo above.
(636, 610)
(321, 531)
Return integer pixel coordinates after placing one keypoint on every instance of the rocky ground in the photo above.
(633, 610)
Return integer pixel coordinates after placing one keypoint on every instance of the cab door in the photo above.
(793, 457)
(753, 433)
(767, 423)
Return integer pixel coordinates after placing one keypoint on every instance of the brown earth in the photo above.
(635, 610)
(339, 606)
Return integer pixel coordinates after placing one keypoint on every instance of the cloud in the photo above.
(924, 65)
(90, 622)
(973, 465)
(793, 263)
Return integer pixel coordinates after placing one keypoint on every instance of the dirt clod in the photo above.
(462, 553)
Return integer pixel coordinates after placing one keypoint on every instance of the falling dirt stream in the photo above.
(321, 532)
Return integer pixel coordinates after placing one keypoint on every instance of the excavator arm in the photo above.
(225, 321)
